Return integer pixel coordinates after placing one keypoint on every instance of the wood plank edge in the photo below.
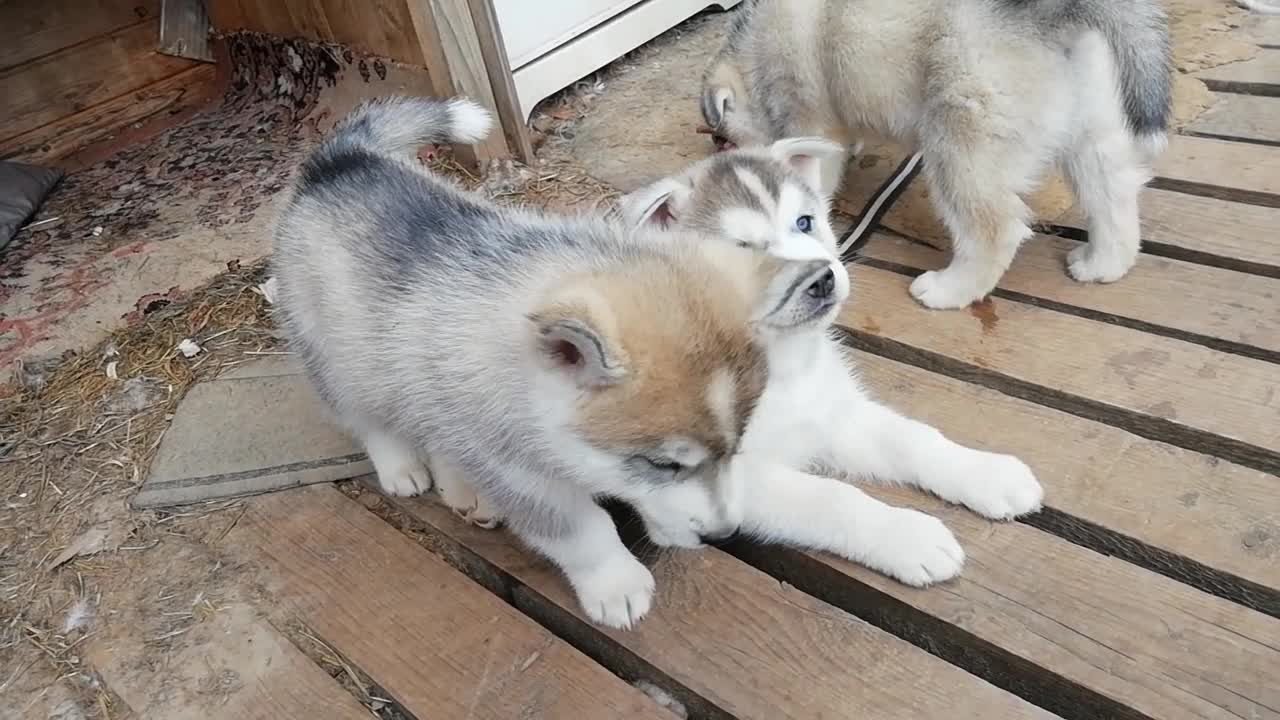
(1220, 344)
(1265, 142)
(1147, 426)
(1193, 573)
(560, 622)
(1217, 192)
(1006, 670)
(1242, 87)
(1173, 252)
(391, 707)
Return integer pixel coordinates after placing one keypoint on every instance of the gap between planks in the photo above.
(1222, 309)
(1155, 387)
(732, 641)
(440, 645)
(1111, 491)
(1080, 650)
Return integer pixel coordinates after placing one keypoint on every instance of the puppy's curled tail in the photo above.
(397, 126)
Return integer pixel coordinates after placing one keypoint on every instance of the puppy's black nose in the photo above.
(718, 536)
(822, 288)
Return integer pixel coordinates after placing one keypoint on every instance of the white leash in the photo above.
(871, 213)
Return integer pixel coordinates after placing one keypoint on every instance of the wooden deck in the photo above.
(1148, 588)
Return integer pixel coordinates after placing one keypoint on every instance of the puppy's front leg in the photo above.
(872, 441)
(614, 588)
(797, 508)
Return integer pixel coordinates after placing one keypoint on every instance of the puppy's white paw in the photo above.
(617, 594)
(458, 495)
(405, 480)
(915, 548)
(948, 289)
(1086, 265)
(1000, 487)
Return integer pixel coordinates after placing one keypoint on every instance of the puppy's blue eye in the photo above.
(804, 223)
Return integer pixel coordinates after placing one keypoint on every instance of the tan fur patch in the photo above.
(683, 327)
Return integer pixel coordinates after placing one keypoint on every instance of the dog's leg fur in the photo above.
(872, 441)
(1107, 179)
(614, 588)
(974, 180)
(793, 507)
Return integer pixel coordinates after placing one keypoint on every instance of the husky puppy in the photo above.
(992, 93)
(814, 414)
(524, 363)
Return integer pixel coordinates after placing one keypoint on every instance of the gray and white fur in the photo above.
(814, 415)
(992, 93)
(525, 364)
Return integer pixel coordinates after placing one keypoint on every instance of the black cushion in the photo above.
(22, 188)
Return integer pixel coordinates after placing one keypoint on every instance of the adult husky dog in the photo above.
(525, 364)
(990, 92)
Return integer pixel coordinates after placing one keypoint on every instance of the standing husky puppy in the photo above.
(539, 361)
(990, 92)
(814, 414)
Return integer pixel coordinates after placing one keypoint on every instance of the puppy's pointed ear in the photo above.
(573, 338)
(808, 155)
(657, 205)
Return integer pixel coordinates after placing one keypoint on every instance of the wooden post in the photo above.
(456, 66)
(494, 53)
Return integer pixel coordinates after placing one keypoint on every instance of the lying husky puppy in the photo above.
(542, 361)
(814, 414)
(990, 92)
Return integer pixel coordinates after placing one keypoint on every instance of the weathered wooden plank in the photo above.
(1154, 386)
(1219, 168)
(494, 52)
(441, 645)
(188, 89)
(736, 643)
(1152, 646)
(1222, 308)
(381, 27)
(1137, 489)
(1241, 117)
(1259, 75)
(80, 77)
(33, 29)
(266, 677)
(1206, 230)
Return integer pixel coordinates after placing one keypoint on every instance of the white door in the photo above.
(531, 27)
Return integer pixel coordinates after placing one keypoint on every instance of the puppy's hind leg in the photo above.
(1107, 175)
(974, 182)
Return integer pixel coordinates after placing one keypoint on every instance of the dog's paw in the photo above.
(915, 549)
(616, 595)
(458, 495)
(1000, 487)
(1086, 265)
(948, 289)
(404, 479)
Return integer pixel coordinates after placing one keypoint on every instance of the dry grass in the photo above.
(76, 442)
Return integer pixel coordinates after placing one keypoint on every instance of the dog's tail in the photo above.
(399, 125)
(1137, 32)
